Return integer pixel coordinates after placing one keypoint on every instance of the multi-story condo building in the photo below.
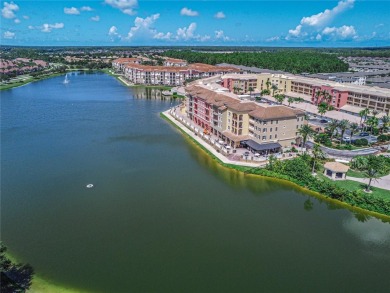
(119, 64)
(240, 83)
(237, 122)
(175, 62)
(169, 75)
(346, 97)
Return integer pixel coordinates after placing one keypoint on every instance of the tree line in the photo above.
(293, 61)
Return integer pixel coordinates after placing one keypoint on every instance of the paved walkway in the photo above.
(207, 146)
(383, 182)
(346, 153)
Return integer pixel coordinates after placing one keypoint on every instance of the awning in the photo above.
(262, 147)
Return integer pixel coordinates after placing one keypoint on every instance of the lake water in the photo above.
(162, 216)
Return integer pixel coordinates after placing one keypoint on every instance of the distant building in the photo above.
(175, 62)
(343, 94)
(175, 75)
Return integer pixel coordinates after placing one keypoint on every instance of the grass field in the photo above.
(353, 185)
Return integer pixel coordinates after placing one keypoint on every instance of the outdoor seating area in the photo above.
(249, 150)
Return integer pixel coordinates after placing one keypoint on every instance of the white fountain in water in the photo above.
(66, 80)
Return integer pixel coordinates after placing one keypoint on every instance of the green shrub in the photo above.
(324, 139)
(383, 138)
(361, 142)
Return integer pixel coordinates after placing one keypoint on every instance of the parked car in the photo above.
(364, 134)
(324, 121)
(347, 138)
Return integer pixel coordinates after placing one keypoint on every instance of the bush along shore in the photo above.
(298, 171)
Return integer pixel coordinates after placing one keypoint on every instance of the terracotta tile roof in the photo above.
(336, 167)
(275, 112)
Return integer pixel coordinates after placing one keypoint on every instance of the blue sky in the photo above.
(345, 23)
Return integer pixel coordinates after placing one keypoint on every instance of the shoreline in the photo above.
(31, 80)
(383, 217)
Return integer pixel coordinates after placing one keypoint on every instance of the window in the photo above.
(276, 129)
(277, 121)
(270, 137)
(264, 129)
(264, 122)
(297, 126)
(264, 137)
(276, 136)
(270, 130)
(272, 122)
(228, 127)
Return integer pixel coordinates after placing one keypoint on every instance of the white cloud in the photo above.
(86, 8)
(95, 18)
(186, 33)
(220, 15)
(8, 35)
(273, 39)
(72, 10)
(9, 10)
(47, 27)
(143, 27)
(344, 32)
(26, 17)
(16, 20)
(113, 33)
(311, 25)
(220, 35)
(323, 18)
(126, 6)
(162, 36)
(188, 12)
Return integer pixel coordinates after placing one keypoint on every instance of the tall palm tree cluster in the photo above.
(372, 121)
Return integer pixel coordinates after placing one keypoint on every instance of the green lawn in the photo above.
(353, 185)
(356, 174)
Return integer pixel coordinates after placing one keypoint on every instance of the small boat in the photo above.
(89, 185)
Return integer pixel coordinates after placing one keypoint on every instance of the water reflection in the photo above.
(150, 93)
(368, 230)
(234, 178)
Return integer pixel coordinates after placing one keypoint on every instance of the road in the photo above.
(345, 153)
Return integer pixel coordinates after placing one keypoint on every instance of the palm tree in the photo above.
(353, 127)
(363, 114)
(250, 90)
(373, 169)
(372, 122)
(265, 92)
(274, 88)
(374, 112)
(343, 125)
(305, 131)
(322, 108)
(318, 95)
(385, 123)
(280, 98)
(332, 125)
(326, 96)
(318, 155)
(267, 83)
